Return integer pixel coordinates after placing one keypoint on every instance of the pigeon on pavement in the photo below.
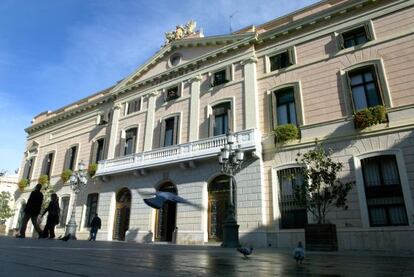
(246, 251)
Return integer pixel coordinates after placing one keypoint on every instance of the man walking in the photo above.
(32, 211)
(95, 225)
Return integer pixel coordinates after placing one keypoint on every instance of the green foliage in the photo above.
(321, 189)
(92, 169)
(47, 190)
(370, 116)
(23, 183)
(286, 132)
(66, 173)
(44, 180)
(5, 210)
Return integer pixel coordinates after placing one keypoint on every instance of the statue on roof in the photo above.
(180, 32)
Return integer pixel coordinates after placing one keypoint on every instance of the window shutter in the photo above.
(229, 73)
(230, 119)
(75, 156)
(348, 85)
(273, 107)
(122, 143)
(162, 133)
(211, 125)
(291, 57)
(67, 157)
(26, 169)
(180, 89)
(211, 79)
(94, 152)
(368, 32)
(176, 129)
(341, 41)
(164, 95)
(134, 141)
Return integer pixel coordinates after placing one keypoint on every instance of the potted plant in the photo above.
(92, 169)
(286, 132)
(321, 191)
(370, 116)
(23, 183)
(66, 173)
(43, 180)
(5, 210)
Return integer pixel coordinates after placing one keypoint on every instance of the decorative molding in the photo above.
(252, 59)
(195, 79)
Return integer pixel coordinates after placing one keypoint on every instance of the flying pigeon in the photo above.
(246, 251)
(157, 202)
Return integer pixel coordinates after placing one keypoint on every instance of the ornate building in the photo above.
(161, 128)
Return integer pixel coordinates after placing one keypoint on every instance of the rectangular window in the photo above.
(281, 60)
(130, 141)
(364, 88)
(220, 77)
(293, 215)
(91, 208)
(134, 106)
(285, 106)
(354, 37)
(64, 207)
(221, 116)
(172, 93)
(100, 143)
(71, 158)
(170, 131)
(383, 191)
(28, 169)
(47, 169)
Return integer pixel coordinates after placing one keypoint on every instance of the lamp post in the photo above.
(231, 158)
(77, 182)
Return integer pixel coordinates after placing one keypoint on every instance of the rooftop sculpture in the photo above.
(180, 32)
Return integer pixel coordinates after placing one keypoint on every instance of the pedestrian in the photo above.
(95, 225)
(53, 211)
(32, 211)
(299, 253)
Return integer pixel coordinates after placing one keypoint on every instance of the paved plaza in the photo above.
(31, 257)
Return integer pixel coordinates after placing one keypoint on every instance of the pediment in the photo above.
(32, 149)
(187, 51)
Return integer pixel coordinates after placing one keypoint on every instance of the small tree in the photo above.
(47, 191)
(321, 189)
(5, 210)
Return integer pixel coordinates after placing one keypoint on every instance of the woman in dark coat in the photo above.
(53, 211)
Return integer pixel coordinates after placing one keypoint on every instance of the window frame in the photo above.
(88, 215)
(292, 59)
(63, 221)
(381, 79)
(229, 76)
(405, 186)
(50, 173)
(232, 117)
(128, 105)
(369, 31)
(67, 162)
(177, 128)
(297, 93)
(28, 172)
(179, 93)
(124, 140)
(94, 149)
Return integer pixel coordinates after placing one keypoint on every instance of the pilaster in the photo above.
(250, 93)
(194, 107)
(113, 137)
(149, 124)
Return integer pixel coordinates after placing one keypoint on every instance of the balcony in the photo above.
(249, 140)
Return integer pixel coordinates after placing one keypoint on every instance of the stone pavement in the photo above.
(32, 257)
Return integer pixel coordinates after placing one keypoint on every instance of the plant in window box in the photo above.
(44, 180)
(370, 116)
(66, 173)
(284, 133)
(92, 169)
(23, 183)
(321, 192)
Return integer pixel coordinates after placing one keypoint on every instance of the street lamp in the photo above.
(231, 158)
(77, 182)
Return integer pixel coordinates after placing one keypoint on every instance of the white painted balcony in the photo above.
(249, 140)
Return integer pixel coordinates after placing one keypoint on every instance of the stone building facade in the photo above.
(161, 129)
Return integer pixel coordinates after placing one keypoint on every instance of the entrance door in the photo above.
(218, 202)
(166, 216)
(123, 208)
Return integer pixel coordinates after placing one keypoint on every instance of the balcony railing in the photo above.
(247, 139)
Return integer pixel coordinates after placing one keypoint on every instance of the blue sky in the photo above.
(53, 52)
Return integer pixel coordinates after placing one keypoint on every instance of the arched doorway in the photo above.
(166, 216)
(123, 208)
(218, 202)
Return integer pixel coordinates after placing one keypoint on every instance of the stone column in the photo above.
(250, 93)
(113, 137)
(149, 124)
(194, 108)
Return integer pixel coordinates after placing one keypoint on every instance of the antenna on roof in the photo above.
(230, 18)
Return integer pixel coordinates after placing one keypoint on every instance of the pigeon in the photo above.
(161, 197)
(246, 251)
